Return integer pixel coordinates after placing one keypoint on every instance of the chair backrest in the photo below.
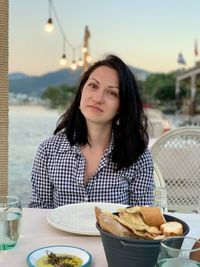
(177, 154)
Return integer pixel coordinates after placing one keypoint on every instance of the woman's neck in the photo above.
(99, 137)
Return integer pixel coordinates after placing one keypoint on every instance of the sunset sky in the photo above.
(145, 34)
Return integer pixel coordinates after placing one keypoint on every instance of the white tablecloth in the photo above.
(36, 232)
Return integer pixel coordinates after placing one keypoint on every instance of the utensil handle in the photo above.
(125, 244)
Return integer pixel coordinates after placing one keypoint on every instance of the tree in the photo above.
(165, 93)
(60, 96)
(161, 86)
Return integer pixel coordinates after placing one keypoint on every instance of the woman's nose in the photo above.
(99, 96)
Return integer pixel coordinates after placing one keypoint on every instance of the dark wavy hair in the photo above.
(130, 136)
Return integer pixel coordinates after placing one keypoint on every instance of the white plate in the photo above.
(79, 252)
(79, 218)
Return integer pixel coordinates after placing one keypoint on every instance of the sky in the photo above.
(145, 34)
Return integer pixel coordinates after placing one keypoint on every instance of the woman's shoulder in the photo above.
(58, 141)
(145, 158)
(146, 154)
(144, 162)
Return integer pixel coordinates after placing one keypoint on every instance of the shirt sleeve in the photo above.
(142, 186)
(42, 189)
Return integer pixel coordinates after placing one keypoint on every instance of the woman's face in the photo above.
(100, 96)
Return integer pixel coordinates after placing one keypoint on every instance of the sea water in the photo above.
(178, 262)
(29, 126)
(10, 223)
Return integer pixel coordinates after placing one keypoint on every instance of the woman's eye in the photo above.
(112, 93)
(92, 85)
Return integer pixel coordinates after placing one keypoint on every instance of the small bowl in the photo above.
(59, 249)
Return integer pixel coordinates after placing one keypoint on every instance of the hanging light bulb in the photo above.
(73, 65)
(84, 49)
(89, 58)
(80, 62)
(63, 60)
(49, 26)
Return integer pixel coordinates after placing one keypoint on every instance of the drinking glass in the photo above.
(179, 251)
(198, 206)
(10, 221)
(160, 198)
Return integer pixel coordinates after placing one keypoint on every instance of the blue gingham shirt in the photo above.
(58, 177)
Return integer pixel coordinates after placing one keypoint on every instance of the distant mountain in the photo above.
(17, 75)
(35, 85)
(139, 73)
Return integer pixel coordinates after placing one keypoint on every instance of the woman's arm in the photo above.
(142, 185)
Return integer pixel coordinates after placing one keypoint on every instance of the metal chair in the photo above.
(177, 154)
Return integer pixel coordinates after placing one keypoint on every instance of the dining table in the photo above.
(36, 232)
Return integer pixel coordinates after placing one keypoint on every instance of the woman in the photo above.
(99, 149)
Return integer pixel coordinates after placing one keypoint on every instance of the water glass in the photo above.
(160, 198)
(198, 206)
(10, 221)
(179, 251)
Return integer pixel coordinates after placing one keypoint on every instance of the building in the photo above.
(192, 75)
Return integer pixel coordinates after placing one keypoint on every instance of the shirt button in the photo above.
(86, 199)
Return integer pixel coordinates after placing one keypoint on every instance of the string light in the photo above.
(63, 60)
(49, 26)
(80, 62)
(84, 49)
(73, 65)
(89, 58)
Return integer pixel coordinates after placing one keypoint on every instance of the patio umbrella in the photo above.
(4, 97)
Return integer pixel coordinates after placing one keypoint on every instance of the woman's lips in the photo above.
(95, 108)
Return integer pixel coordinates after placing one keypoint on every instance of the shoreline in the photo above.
(36, 109)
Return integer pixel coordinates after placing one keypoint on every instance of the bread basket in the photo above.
(128, 252)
